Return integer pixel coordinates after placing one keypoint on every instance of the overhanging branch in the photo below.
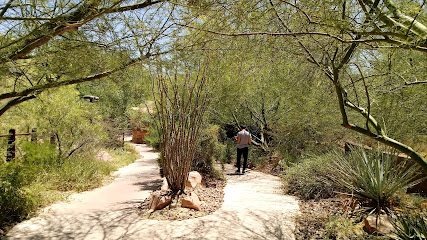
(15, 102)
(75, 81)
(396, 43)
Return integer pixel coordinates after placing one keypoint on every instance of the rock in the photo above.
(165, 186)
(104, 156)
(194, 179)
(191, 201)
(384, 225)
(158, 201)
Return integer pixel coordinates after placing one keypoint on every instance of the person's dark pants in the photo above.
(241, 151)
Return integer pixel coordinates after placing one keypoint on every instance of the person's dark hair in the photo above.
(242, 127)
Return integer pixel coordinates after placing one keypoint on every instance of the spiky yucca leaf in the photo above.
(373, 178)
(409, 227)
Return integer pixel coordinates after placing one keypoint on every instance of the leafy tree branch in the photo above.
(56, 26)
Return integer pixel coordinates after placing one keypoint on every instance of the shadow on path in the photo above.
(253, 208)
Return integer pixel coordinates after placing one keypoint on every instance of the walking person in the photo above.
(243, 140)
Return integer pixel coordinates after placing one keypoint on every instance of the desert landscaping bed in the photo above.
(211, 198)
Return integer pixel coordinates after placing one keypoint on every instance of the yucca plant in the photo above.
(373, 178)
(409, 227)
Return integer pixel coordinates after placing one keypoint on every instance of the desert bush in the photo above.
(373, 178)
(208, 151)
(342, 227)
(123, 157)
(308, 178)
(256, 157)
(39, 178)
(15, 202)
(80, 174)
(230, 151)
(153, 138)
(40, 155)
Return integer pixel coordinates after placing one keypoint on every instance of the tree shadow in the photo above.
(150, 185)
(128, 225)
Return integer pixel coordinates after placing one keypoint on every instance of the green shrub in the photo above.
(123, 158)
(230, 151)
(43, 155)
(341, 227)
(15, 202)
(153, 138)
(40, 177)
(256, 157)
(308, 179)
(80, 174)
(373, 178)
(128, 147)
(208, 151)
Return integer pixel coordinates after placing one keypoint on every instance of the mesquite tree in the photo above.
(181, 104)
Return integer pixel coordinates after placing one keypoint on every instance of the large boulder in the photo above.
(158, 201)
(383, 225)
(194, 179)
(191, 201)
(104, 156)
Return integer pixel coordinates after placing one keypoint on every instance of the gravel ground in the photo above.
(211, 196)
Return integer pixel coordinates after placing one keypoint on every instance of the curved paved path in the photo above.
(253, 208)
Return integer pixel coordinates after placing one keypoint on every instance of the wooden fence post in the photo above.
(34, 135)
(11, 145)
(53, 139)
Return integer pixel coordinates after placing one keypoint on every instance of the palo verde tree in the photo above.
(181, 103)
(53, 43)
(334, 36)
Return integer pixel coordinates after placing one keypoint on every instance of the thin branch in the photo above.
(309, 54)
(294, 34)
(367, 94)
(78, 147)
(78, 80)
(3, 11)
(300, 10)
(415, 83)
(26, 19)
(132, 7)
(413, 21)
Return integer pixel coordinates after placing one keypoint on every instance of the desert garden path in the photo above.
(253, 208)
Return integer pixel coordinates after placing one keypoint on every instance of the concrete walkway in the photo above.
(253, 208)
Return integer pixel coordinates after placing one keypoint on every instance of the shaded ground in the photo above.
(253, 208)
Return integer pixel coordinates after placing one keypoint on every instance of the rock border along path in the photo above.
(253, 208)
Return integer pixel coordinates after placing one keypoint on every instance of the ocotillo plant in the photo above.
(181, 104)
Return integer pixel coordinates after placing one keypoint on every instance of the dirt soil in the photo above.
(314, 214)
(211, 196)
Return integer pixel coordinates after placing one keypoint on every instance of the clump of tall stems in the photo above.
(181, 103)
